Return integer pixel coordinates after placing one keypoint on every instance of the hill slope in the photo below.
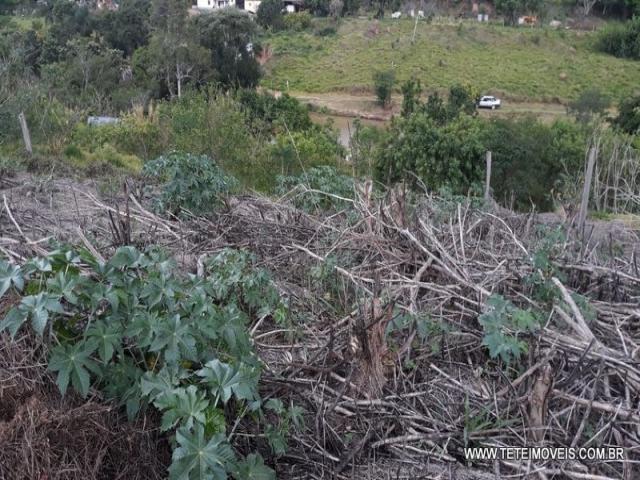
(522, 64)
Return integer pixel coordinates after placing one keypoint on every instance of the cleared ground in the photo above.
(365, 106)
(520, 64)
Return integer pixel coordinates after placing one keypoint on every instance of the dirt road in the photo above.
(365, 106)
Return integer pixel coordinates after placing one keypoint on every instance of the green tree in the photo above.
(443, 157)
(319, 8)
(127, 28)
(512, 9)
(230, 36)
(171, 63)
(462, 99)
(411, 91)
(269, 14)
(628, 119)
(621, 40)
(530, 159)
(591, 103)
(383, 82)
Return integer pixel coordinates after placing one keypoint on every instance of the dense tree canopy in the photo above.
(230, 36)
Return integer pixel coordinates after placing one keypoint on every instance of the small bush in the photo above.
(328, 183)
(383, 82)
(589, 104)
(190, 182)
(103, 160)
(327, 31)
(133, 135)
(628, 119)
(621, 40)
(295, 151)
(148, 337)
(297, 22)
(269, 14)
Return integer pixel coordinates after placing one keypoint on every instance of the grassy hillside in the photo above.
(522, 64)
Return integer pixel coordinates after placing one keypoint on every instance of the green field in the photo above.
(524, 64)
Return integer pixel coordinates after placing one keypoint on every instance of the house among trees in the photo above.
(250, 6)
(215, 4)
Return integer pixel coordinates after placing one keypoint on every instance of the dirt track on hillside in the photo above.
(365, 106)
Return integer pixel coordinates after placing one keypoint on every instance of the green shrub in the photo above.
(133, 135)
(213, 124)
(383, 82)
(326, 31)
(442, 157)
(532, 159)
(332, 189)
(269, 14)
(146, 336)
(189, 182)
(504, 326)
(297, 22)
(104, 160)
(589, 104)
(282, 113)
(295, 151)
(628, 119)
(621, 40)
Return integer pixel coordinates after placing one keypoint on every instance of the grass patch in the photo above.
(521, 64)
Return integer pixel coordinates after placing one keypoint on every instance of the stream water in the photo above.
(344, 125)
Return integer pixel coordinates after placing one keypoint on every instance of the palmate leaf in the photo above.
(224, 380)
(13, 321)
(200, 458)
(253, 468)
(71, 362)
(38, 307)
(174, 337)
(183, 405)
(10, 275)
(63, 285)
(105, 339)
(127, 257)
(153, 385)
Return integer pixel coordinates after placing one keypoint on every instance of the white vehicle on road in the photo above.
(489, 102)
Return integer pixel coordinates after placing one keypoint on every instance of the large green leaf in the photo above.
(153, 385)
(105, 338)
(183, 405)
(38, 307)
(71, 362)
(63, 285)
(10, 275)
(253, 468)
(13, 321)
(174, 337)
(199, 458)
(224, 380)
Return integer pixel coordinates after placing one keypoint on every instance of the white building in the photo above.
(214, 4)
(251, 6)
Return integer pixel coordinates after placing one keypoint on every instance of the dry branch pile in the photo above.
(390, 402)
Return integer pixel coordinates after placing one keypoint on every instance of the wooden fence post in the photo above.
(25, 133)
(586, 191)
(487, 185)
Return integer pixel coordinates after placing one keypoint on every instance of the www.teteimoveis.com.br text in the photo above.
(545, 453)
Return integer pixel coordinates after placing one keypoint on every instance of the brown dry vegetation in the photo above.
(377, 406)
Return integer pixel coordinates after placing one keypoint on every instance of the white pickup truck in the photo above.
(489, 102)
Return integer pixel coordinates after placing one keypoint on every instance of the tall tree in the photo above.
(128, 27)
(230, 35)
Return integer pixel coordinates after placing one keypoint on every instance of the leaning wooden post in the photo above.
(586, 191)
(25, 133)
(487, 185)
